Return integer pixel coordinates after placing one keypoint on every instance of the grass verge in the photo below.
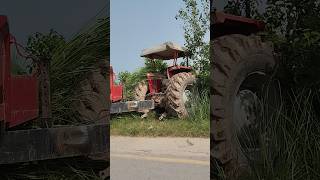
(48, 170)
(287, 141)
(197, 125)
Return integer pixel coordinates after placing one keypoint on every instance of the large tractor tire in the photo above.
(140, 91)
(178, 94)
(91, 103)
(241, 69)
(92, 106)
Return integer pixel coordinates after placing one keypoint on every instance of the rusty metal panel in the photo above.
(116, 90)
(24, 100)
(52, 143)
(130, 106)
(224, 24)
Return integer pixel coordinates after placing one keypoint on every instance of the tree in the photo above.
(294, 28)
(195, 18)
(246, 8)
(43, 45)
(154, 65)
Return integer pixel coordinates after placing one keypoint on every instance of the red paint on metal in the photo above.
(172, 70)
(220, 18)
(24, 99)
(225, 24)
(115, 90)
(18, 94)
(154, 82)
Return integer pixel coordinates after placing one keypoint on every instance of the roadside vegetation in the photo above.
(48, 170)
(289, 138)
(196, 125)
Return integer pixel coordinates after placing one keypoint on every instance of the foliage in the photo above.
(200, 106)
(43, 45)
(71, 62)
(155, 66)
(289, 141)
(195, 18)
(246, 8)
(294, 28)
(57, 169)
(196, 125)
(299, 28)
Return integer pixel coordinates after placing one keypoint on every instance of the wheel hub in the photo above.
(186, 95)
(186, 98)
(246, 109)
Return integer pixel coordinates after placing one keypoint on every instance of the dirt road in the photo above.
(159, 158)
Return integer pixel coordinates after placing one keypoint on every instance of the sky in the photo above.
(66, 17)
(135, 25)
(140, 24)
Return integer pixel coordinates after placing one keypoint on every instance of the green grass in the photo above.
(197, 125)
(47, 170)
(133, 125)
(289, 141)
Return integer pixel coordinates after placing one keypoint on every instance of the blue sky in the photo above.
(140, 24)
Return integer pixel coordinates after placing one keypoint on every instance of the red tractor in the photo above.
(20, 102)
(170, 90)
(242, 68)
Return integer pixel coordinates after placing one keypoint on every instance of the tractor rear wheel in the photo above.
(140, 91)
(178, 94)
(90, 100)
(240, 70)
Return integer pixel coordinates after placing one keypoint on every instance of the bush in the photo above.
(288, 141)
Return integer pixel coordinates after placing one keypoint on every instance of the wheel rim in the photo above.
(247, 108)
(186, 98)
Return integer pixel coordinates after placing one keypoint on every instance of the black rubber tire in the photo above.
(177, 85)
(234, 57)
(140, 91)
(92, 97)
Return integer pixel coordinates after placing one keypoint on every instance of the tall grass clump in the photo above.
(289, 141)
(200, 106)
(72, 62)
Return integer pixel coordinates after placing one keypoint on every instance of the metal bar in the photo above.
(52, 143)
(130, 106)
(45, 104)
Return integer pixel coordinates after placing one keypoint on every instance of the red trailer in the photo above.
(119, 105)
(19, 103)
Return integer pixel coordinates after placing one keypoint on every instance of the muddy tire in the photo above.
(240, 64)
(92, 94)
(175, 104)
(140, 91)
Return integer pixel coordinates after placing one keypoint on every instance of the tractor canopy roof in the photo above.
(166, 51)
